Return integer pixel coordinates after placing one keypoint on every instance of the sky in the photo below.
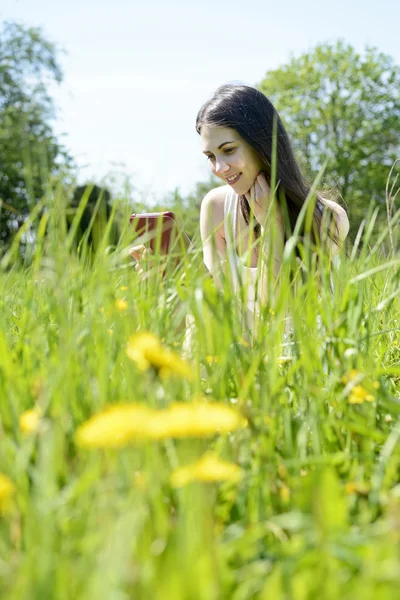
(136, 72)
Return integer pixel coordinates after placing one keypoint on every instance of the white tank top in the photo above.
(244, 278)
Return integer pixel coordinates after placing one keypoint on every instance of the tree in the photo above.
(341, 106)
(30, 154)
(95, 216)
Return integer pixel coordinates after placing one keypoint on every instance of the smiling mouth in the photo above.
(233, 179)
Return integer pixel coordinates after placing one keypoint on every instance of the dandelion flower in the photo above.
(284, 360)
(357, 487)
(120, 425)
(209, 468)
(121, 304)
(115, 427)
(351, 375)
(359, 394)
(210, 359)
(198, 419)
(7, 490)
(146, 351)
(29, 420)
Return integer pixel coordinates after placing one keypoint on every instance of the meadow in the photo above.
(131, 468)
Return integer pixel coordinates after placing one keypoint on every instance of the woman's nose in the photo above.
(220, 166)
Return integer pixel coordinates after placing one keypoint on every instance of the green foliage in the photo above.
(343, 106)
(30, 154)
(316, 513)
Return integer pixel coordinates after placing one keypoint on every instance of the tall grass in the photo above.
(316, 513)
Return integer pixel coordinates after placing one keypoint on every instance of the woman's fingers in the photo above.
(137, 251)
(263, 184)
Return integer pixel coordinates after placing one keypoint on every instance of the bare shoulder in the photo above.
(215, 197)
(342, 220)
(212, 210)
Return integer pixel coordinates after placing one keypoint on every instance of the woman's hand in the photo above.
(146, 264)
(258, 198)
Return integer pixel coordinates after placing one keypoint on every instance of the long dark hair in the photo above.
(246, 110)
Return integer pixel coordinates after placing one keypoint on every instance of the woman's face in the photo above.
(230, 158)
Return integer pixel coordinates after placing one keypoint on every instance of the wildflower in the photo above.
(199, 419)
(122, 424)
(357, 487)
(115, 427)
(146, 351)
(7, 490)
(29, 420)
(110, 331)
(284, 360)
(123, 288)
(351, 376)
(121, 304)
(209, 468)
(210, 359)
(359, 394)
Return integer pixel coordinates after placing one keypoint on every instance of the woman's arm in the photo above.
(340, 227)
(212, 233)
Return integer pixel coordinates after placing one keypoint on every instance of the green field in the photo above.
(240, 472)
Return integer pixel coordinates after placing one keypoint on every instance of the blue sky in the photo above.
(137, 71)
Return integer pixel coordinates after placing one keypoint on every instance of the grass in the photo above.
(315, 509)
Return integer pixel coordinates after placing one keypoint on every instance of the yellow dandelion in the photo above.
(146, 351)
(351, 375)
(357, 487)
(198, 419)
(121, 304)
(210, 359)
(115, 427)
(209, 468)
(123, 288)
(29, 420)
(7, 490)
(359, 394)
(122, 424)
(110, 331)
(284, 360)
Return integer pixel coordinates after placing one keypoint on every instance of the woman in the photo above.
(237, 129)
(239, 226)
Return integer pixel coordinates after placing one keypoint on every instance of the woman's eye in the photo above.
(226, 151)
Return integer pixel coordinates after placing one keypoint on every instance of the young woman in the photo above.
(237, 129)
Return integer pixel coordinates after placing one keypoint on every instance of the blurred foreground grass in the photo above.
(242, 471)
